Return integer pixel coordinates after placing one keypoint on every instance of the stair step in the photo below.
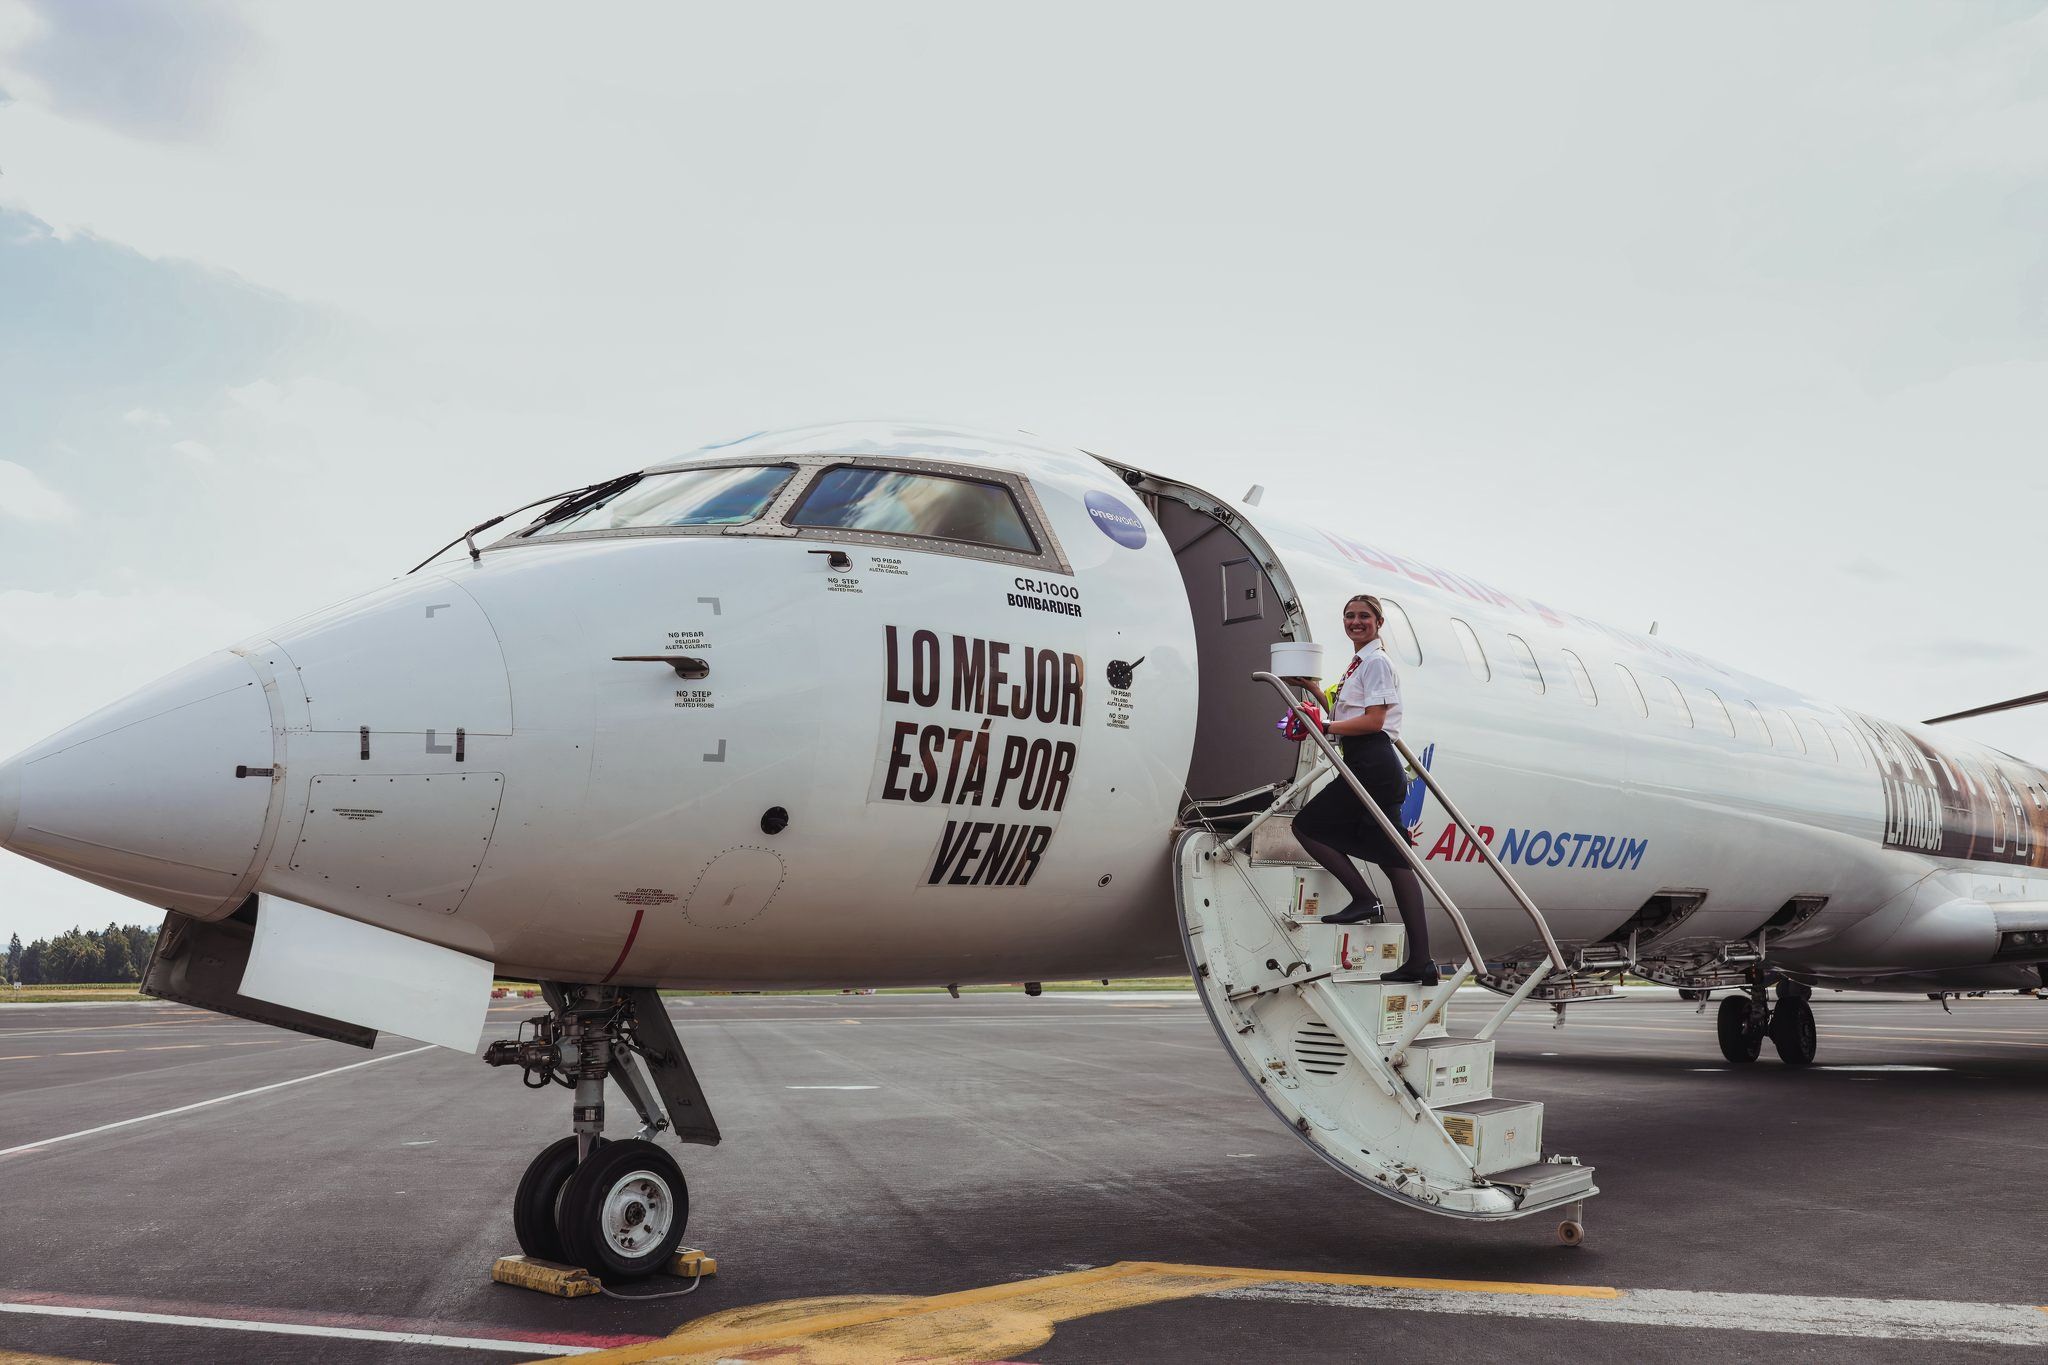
(1348, 951)
(1547, 1182)
(1386, 1009)
(1499, 1135)
(1448, 1071)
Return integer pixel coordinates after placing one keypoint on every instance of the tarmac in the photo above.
(1066, 1178)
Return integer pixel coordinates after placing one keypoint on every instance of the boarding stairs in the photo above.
(1366, 1072)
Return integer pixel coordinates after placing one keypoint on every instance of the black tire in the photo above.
(534, 1203)
(1794, 1033)
(1741, 1041)
(623, 1212)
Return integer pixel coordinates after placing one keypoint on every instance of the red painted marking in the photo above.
(631, 934)
(306, 1318)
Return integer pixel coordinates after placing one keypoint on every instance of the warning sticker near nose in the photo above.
(1116, 520)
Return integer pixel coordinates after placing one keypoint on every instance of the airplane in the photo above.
(887, 704)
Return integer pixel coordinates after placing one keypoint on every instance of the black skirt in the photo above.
(1333, 815)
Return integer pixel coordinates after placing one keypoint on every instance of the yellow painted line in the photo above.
(993, 1322)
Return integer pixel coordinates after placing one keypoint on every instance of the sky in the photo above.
(1732, 318)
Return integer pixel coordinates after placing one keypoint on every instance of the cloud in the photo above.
(154, 71)
(195, 451)
(144, 417)
(24, 495)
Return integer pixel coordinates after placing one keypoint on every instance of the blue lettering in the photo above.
(1511, 843)
(1558, 851)
(1593, 853)
(1636, 849)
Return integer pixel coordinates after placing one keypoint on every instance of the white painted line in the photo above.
(831, 1087)
(219, 1099)
(1896, 1066)
(294, 1329)
(2005, 1324)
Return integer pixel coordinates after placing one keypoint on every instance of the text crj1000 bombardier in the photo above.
(872, 705)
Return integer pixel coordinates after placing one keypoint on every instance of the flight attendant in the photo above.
(1333, 828)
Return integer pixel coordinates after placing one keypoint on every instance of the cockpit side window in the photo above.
(903, 503)
(725, 495)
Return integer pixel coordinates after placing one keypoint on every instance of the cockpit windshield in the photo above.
(724, 495)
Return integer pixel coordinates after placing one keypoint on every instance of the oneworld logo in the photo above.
(1115, 520)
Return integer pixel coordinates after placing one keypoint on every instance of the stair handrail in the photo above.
(1507, 879)
(1399, 836)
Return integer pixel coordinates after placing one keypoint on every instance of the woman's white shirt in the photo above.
(1372, 683)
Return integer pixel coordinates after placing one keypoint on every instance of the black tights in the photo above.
(1407, 892)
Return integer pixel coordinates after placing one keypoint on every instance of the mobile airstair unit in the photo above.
(1366, 1072)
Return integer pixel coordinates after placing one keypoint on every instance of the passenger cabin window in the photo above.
(1846, 745)
(1677, 700)
(1634, 690)
(728, 495)
(1825, 748)
(1522, 661)
(1798, 740)
(1763, 726)
(899, 503)
(1475, 657)
(1581, 679)
(1720, 709)
(1400, 633)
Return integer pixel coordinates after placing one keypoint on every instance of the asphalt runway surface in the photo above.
(1068, 1178)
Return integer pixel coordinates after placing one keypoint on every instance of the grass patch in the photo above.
(69, 993)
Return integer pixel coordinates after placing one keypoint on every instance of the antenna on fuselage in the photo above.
(1253, 494)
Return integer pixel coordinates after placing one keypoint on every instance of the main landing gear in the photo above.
(1746, 1020)
(615, 1208)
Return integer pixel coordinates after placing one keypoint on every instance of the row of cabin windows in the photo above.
(1518, 664)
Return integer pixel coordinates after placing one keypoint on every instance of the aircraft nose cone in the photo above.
(142, 797)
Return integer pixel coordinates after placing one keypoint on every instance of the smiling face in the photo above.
(1361, 622)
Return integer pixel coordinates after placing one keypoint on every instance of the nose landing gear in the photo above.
(1744, 1021)
(617, 1209)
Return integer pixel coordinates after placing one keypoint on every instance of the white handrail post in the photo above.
(1431, 1007)
(1507, 879)
(1514, 1002)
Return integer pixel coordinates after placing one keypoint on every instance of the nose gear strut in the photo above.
(616, 1208)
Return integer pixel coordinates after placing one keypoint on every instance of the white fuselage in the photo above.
(963, 795)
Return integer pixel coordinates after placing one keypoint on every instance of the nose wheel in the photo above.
(617, 1209)
(622, 1214)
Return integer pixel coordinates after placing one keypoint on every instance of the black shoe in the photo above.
(1409, 974)
(1358, 913)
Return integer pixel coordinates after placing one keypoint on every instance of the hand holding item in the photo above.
(1292, 725)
